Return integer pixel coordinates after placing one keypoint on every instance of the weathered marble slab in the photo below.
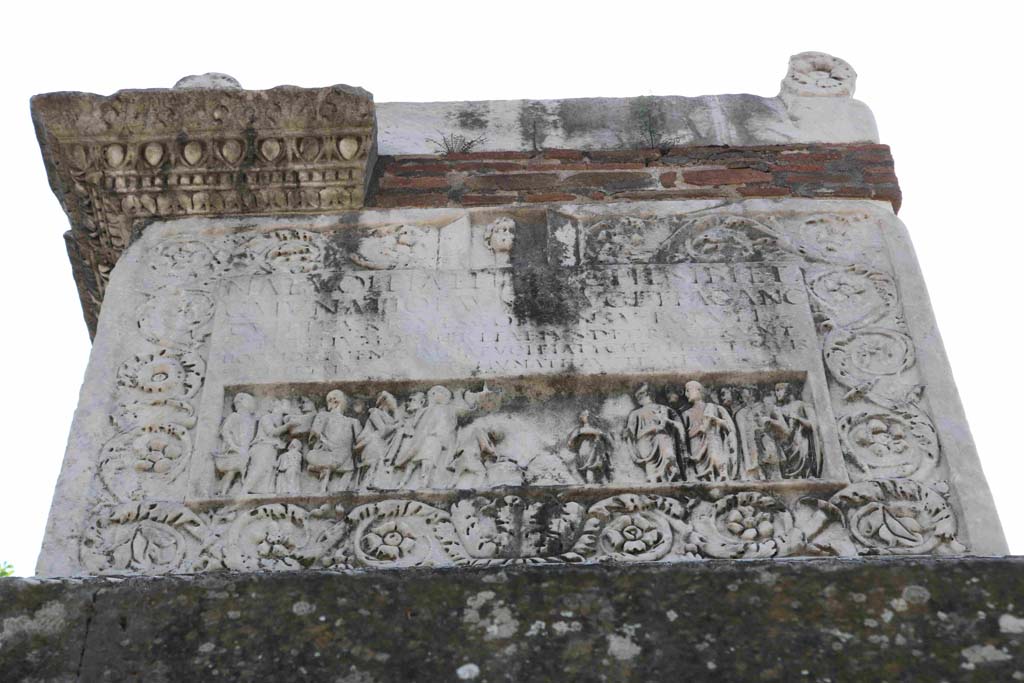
(556, 384)
(815, 104)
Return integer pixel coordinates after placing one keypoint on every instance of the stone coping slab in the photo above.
(816, 620)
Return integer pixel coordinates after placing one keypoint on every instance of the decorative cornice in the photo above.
(202, 148)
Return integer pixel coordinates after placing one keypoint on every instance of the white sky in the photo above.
(945, 87)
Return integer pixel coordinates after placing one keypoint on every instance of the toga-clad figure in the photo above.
(332, 438)
(259, 478)
(652, 429)
(791, 424)
(372, 444)
(750, 426)
(592, 448)
(431, 450)
(237, 433)
(712, 452)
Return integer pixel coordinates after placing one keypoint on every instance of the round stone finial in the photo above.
(208, 81)
(817, 74)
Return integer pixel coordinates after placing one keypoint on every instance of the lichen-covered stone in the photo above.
(821, 620)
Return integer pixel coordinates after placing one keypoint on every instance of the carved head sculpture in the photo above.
(387, 402)
(694, 391)
(244, 403)
(726, 396)
(643, 394)
(438, 395)
(337, 400)
(294, 445)
(585, 417)
(408, 235)
(782, 392)
(747, 395)
(500, 235)
(306, 405)
(415, 402)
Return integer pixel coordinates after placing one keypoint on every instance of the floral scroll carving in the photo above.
(898, 517)
(502, 530)
(149, 538)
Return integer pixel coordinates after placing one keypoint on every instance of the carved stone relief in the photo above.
(578, 465)
(137, 155)
(897, 516)
(434, 437)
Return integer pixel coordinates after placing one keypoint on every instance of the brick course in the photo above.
(566, 175)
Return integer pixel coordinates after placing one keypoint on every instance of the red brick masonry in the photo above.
(486, 178)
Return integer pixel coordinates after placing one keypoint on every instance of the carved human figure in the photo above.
(712, 453)
(236, 434)
(433, 443)
(749, 427)
(372, 444)
(791, 424)
(300, 419)
(259, 477)
(592, 448)
(500, 237)
(399, 463)
(652, 430)
(475, 449)
(289, 469)
(332, 438)
(400, 247)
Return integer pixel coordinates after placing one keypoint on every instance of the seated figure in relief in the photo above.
(652, 430)
(236, 434)
(332, 439)
(712, 452)
(790, 423)
(592, 448)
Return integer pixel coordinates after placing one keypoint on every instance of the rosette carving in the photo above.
(161, 449)
(898, 517)
(752, 524)
(270, 537)
(145, 538)
(747, 525)
(163, 373)
(854, 296)
(880, 443)
(176, 318)
(286, 251)
(871, 361)
(394, 533)
(636, 528)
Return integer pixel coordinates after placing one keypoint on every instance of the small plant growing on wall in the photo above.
(453, 143)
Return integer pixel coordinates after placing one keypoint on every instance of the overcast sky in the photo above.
(945, 88)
